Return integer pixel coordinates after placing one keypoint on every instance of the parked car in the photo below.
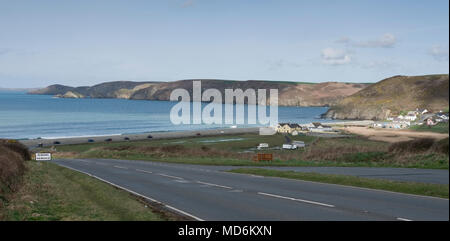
(108, 140)
(90, 140)
(262, 145)
(289, 147)
(56, 143)
(126, 138)
(149, 136)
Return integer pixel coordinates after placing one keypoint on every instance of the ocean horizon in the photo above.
(24, 116)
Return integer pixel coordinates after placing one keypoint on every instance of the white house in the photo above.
(422, 111)
(410, 117)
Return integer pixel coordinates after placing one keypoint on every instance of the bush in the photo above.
(12, 166)
(17, 147)
(413, 146)
(441, 146)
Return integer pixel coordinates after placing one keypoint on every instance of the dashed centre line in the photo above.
(214, 185)
(139, 170)
(296, 199)
(165, 175)
(121, 167)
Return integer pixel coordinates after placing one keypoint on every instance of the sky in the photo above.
(82, 42)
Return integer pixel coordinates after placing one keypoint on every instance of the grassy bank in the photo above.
(51, 192)
(238, 150)
(12, 166)
(439, 128)
(434, 190)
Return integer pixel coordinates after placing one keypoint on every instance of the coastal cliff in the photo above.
(289, 93)
(392, 96)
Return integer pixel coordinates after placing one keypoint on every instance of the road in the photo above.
(210, 194)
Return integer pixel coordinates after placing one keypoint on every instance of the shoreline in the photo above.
(46, 142)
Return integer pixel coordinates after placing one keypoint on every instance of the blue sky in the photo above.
(88, 42)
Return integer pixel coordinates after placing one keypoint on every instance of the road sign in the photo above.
(263, 157)
(43, 156)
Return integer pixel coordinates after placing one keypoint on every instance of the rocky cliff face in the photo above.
(70, 94)
(393, 95)
(289, 93)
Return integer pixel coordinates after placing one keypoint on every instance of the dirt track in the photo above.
(388, 135)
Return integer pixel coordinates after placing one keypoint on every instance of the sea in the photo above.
(24, 116)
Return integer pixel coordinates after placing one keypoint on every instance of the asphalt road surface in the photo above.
(210, 194)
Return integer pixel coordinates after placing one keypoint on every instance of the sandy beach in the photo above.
(391, 135)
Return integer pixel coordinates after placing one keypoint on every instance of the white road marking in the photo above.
(404, 219)
(120, 167)
(164, 175)
(137, 194)
(237, 190)
(214, 185)
(139, 170)
(182, 181)
(256, 176)
(185, 213)
(296, 199)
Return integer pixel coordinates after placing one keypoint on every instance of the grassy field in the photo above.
(439, 128)
(238, 150)
(50, 192)
(435, 190)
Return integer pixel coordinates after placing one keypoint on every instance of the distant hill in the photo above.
(17, 89)
(290, 93)
(393, 95)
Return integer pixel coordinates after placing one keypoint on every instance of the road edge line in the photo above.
(346, 186)
(135, 193)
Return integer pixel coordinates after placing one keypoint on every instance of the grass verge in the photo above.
(425, 189)
(51, 192)
(238, 150)
(439, 128)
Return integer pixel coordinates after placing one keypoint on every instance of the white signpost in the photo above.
(43, 156)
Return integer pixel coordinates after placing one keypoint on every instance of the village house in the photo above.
(411, 116)
(288, 127)
(417, 117)
(421, 111)
(397, 124)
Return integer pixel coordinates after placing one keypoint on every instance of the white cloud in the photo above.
(335, 56)
(439, 53)
(388, 40)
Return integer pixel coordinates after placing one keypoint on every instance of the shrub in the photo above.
(441, 146)
(17, 147)
(413, 146)
(12, 167)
